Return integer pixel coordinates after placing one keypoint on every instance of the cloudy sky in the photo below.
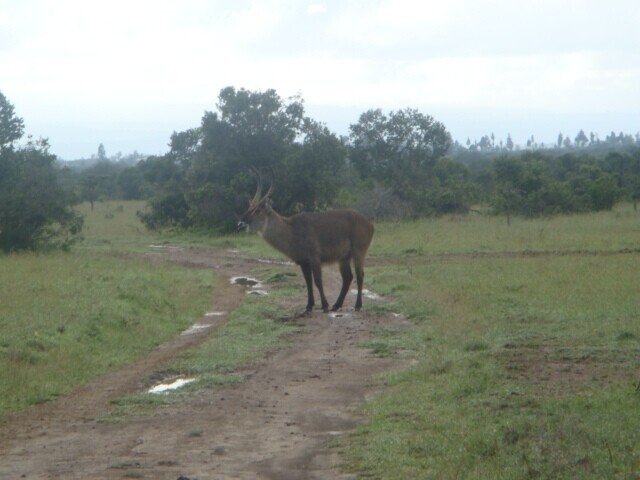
(128, 73)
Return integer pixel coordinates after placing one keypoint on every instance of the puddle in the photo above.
(169, 247)
(367, 294)
(260, 293)
(195, 328)
(215, 314)
(233, 250)
(246, 282)
(335, 433)
(275, 262)
(396, 315)
(338, 315)
(167, 387)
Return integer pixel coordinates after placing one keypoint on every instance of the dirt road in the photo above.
(276, 424)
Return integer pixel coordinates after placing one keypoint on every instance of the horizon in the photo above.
(127, 76)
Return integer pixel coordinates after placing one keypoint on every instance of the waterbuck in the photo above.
(314, 239)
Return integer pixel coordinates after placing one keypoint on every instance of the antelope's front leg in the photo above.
(306, 271)
(317, 276)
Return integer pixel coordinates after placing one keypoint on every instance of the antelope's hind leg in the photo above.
(347, 278)
(359, 264)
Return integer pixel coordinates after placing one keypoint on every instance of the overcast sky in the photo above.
(128, 73)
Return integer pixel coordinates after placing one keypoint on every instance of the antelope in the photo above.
(313, 239)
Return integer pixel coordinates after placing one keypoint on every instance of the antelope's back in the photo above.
(335, 234)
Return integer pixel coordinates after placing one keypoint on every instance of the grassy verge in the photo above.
(527, 368)
(66, 317)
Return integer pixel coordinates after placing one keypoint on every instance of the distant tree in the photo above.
(89, 188)
(485, 143)
(11, 126)
(560, 140)
(102, 154)
(581, 139)
(566, 142)
(510, 144)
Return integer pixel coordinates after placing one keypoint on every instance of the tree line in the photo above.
(400, 164)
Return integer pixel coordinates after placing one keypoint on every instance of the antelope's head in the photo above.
(255, 218)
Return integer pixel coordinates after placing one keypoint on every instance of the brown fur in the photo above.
(314, 239)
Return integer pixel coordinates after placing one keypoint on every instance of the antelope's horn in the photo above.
(270, 185)
(256, 198)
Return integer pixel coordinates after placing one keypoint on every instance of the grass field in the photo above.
(66, 317)
(615, 230)
(524, 366)
(527, 367)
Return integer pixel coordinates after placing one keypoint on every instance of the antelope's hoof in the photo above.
(335, 308)
(305, 313)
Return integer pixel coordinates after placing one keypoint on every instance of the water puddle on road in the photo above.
(168, 387)
(275, 262)
(215, 314)
(260, 293)
(367, 294)
(195, 328)
(246, 282)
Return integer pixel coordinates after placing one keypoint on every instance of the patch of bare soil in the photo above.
(561, 371)
(276, 424)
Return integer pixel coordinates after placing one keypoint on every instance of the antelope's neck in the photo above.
(277, 233)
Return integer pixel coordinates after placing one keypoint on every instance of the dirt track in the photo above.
(275, 424)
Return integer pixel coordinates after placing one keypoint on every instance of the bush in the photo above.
(35, 212)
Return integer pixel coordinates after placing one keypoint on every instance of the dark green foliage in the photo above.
(204, 180)
(404, 151)
(11, 126)
(35, 211)
(535, 183)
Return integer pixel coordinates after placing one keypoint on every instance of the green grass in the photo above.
(613, 230)
(526, 369)
(113, 226)
(66, 317)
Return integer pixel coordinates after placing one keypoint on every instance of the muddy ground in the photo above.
(276, 424)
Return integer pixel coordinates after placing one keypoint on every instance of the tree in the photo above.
(11, 126)
(560, 138)
(581, 139)
(510, 144)
(208, 167)
(102, 154)
(400, 150)
(35, 211)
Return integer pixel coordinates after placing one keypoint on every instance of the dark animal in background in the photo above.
(312, 240)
